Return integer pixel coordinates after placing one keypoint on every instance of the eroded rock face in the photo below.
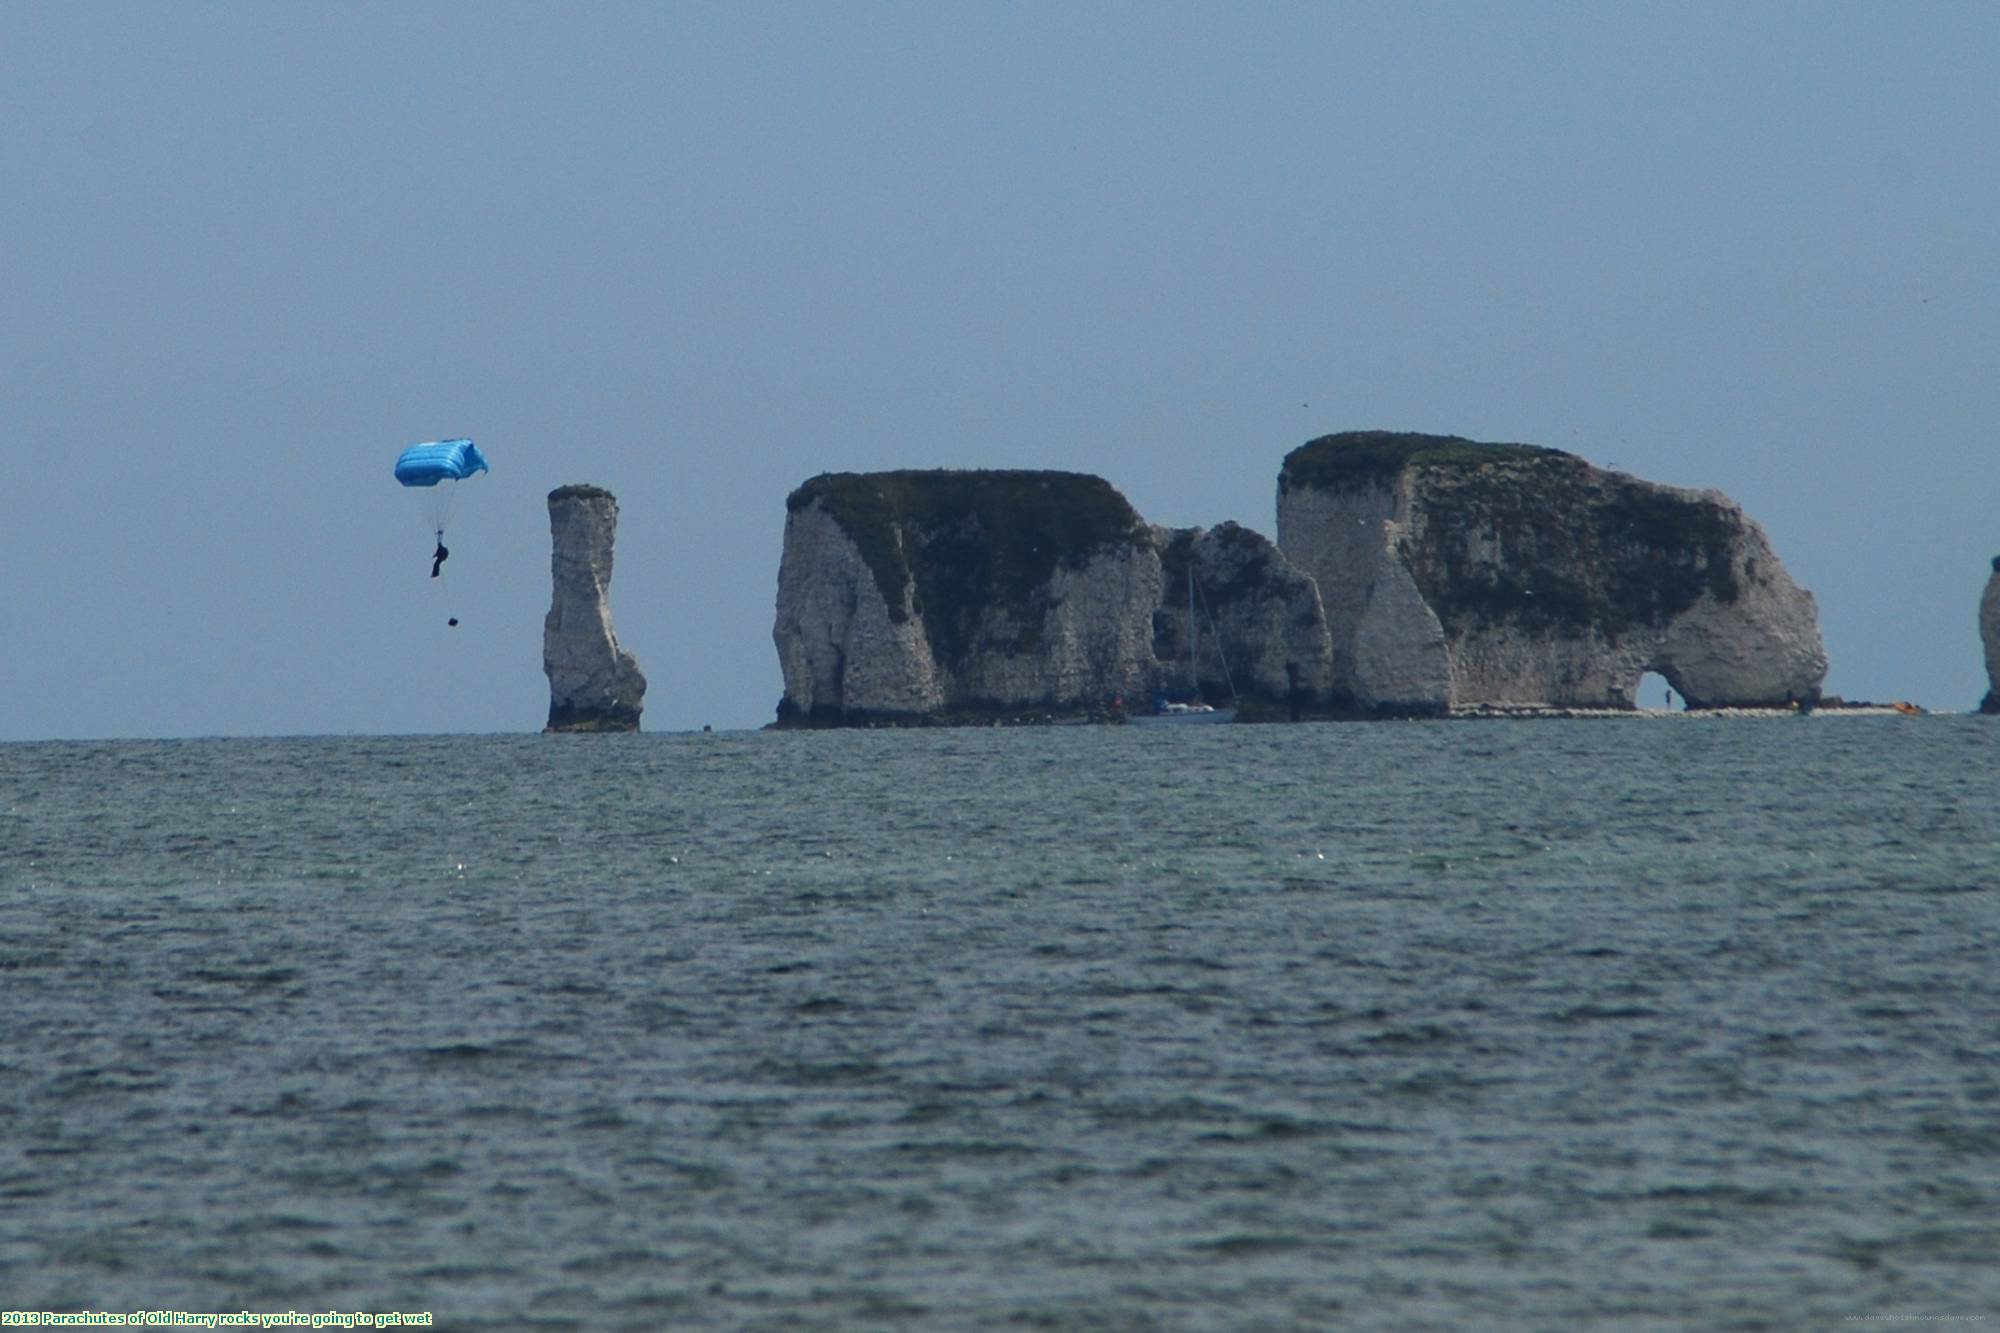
(958, 596)
(1259, 625)
(1989, 635)
(594, 685)
(1457, 574)
(908, 596)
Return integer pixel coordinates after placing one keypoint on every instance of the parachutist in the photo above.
(435, 470)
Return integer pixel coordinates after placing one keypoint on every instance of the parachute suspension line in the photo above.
(444, 499)
(436, 505)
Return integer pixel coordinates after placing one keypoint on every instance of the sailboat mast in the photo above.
(1194, 662)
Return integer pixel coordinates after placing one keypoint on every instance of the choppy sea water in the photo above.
(1680, 1024)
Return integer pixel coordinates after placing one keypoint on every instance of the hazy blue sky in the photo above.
(698, 253)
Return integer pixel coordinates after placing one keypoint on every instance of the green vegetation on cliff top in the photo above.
(1549, 544)
(972, 542)
(580, 490)
(1571, 551)
(1374, 457)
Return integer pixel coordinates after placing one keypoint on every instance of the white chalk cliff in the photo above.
(937, 595)
(594, 685)
(1458, 575)
(964, 596)
(1412, 574)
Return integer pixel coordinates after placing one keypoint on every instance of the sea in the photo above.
(1675, 1023)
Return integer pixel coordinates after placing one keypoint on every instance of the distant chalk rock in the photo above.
(952, 596)
(594, 685)
(1989, 634)
(1458, 574)
(1259, 630)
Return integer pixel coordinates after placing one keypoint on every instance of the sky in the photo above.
(699, 253)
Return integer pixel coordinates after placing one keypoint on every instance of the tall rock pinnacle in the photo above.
(1989, 634)
(594, 685)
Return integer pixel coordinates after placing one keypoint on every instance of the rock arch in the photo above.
(1458, 574)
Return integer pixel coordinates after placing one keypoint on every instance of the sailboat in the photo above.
(1169, 712)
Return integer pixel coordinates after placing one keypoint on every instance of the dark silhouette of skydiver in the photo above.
(439, 556)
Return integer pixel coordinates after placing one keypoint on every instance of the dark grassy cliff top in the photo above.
(1075, 500)
(971, 540)
(1374, 457)
(1555, 546)
(1519, 534)
(580, 491)
(1248, 561)
(1174, 543)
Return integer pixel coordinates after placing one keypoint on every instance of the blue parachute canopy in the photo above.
(442, 460)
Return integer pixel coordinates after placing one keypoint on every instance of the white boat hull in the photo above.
(1190, 718)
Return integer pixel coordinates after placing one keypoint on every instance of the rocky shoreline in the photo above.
(1820, 710)
(1512, 713)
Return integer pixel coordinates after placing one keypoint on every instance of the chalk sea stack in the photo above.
(1413, 574)
(917, 597)
(594, 685)
(940, 596)
(1989, 635)
(1460, 575)
(1260, 633)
